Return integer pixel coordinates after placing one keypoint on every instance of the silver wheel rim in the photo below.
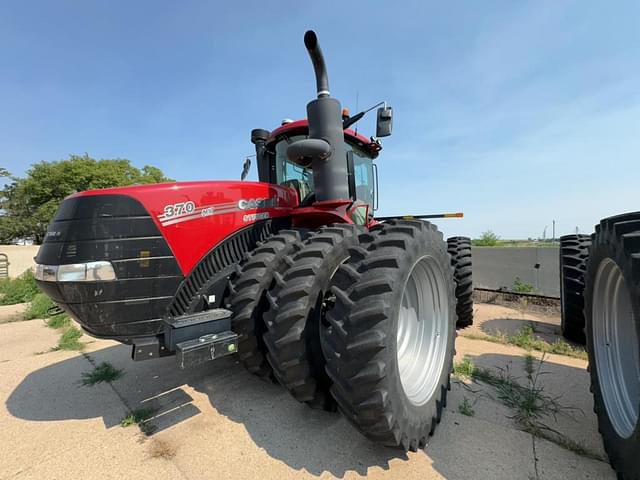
(615, 343)
(423, 330)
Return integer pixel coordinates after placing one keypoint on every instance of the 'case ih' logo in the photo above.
(184, 211)
(256, 203)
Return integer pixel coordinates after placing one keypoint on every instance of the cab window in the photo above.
(290, 174)
(363, 175)
(301, 179)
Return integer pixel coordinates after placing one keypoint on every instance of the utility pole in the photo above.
(553, 237)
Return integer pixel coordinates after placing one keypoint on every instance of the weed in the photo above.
(18, 290)
(39, 307)
(464, 369)
(465, 408)
(520, 286)
(70, 340)
(162, 449)
(105, 372)
(530, 405)
(138, 416)
(59, 321)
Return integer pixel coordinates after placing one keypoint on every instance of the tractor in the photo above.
(292, 273)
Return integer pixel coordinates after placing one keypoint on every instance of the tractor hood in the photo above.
(120, 260)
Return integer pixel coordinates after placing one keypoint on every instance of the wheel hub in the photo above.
(615, 342)
(423, 330)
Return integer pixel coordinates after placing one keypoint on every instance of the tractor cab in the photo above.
(275, 166)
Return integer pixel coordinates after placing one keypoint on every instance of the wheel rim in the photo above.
(423, 330)
(615, 343)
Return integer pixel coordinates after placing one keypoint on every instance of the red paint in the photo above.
(321, 213)
(301, 127)
(191, 240)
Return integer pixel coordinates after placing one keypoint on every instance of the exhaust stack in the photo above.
(317, 59)
(324, 149)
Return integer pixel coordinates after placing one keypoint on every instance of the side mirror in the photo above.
(245, 168)
(384, 123)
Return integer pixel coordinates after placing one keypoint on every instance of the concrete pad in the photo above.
(563, 378)
(555, 463)
(25, 339)
(218, 421)
(12, 313)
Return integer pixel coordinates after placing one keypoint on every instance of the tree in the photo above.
(28, 204)
(487, 239)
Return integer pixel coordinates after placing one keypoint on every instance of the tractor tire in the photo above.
(612, 310)
(460, 251)
(249, 296)
(574, 253)
(298, 302)
(390, 341)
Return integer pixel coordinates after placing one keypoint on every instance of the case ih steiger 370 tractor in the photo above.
(293, 272)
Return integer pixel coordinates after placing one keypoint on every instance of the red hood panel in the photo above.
(195, 216)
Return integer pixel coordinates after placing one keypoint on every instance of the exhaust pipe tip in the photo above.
(317, 59)
(310, 40)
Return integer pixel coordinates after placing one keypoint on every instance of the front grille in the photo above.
(115, 228)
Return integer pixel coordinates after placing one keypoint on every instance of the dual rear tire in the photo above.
(390, 341)
(361, 321)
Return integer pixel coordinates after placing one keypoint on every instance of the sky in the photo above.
(515, 113)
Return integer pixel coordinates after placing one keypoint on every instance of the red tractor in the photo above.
(293, 273)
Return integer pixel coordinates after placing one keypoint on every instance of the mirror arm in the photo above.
(355, 118)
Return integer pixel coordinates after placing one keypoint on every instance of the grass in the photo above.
(59, 321)
(525, 338)
(140, 417)
(70, 340)
(464, 369)
(105, 372)
(465, 408)
(520, 286)
(39, 307)
(515, 243)
(18, 290)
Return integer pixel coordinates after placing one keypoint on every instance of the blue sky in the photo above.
(517, 113)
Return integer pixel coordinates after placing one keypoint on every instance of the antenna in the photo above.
(357, 98)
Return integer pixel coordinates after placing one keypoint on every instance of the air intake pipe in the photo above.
(324, 149)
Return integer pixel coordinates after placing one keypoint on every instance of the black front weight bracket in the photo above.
(194, 338)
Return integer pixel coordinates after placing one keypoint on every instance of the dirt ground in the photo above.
(218, 421)
(20, 257)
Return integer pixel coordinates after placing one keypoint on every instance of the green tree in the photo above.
(29, 203)
(487, 239)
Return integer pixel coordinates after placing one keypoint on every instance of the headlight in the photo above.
(76, 272)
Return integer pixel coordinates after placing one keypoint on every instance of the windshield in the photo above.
(301, 179)
(290, 174)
